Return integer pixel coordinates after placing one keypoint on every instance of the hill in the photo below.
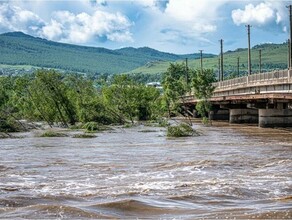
(21, 50)
(274, 56)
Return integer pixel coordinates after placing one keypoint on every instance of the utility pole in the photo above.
(201, 54)
(237, 66)
(289, 60)
(219, 77)
(222, 71)
(290, 44)
(260, 57)
(249, 56)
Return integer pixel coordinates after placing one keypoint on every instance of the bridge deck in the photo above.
(275, 85)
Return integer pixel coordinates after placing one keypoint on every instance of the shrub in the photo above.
(9, 125)
(53, 134)
(181, 130)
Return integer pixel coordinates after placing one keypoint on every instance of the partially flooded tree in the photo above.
(175, 86)
(130, 100)
(203, 90)
(49, 95)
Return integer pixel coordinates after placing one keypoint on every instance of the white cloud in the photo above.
(53, 31)
(260, 15)
(13, 18)
(66, 26)
(190, 10)
(82, 28)
(204, 28)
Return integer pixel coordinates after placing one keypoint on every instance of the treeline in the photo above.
(65, 99)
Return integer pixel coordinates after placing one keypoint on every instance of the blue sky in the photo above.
(176, 26)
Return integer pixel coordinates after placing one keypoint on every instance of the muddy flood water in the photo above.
(230, 171)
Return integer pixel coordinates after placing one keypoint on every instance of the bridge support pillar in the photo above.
(275, 117)
(239, 116)
(220, 114)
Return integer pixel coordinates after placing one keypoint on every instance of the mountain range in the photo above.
(18, 48)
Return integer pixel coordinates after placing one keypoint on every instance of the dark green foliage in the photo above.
(202, 83)
(7, 120)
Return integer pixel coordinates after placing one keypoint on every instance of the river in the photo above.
(230, 171)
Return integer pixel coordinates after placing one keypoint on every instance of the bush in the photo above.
(53, 134)
(9, 125)
(181, 130)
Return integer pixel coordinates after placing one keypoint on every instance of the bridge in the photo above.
(264, 98)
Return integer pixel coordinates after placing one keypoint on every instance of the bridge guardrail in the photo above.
(262, 78)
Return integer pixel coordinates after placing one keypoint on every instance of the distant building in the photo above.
(155, 84)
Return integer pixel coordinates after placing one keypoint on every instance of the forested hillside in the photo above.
(18, 48)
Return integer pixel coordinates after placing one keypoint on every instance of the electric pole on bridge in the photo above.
(290, 42)
(221, 59)
(249, 56)
(289, 61)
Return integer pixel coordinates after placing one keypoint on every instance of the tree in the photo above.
(49, 95)
(130, 100)
(203, 90)
(175, 86)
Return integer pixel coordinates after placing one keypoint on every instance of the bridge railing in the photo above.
(260, 78)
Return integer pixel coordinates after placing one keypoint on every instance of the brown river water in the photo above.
(230, 171)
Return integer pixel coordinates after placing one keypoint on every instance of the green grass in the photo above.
(274, 56)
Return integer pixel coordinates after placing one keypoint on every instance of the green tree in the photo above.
(130, 100)
(203, 90)
(175, 86)
(49, 95)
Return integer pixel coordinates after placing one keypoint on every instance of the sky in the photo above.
(175, 26)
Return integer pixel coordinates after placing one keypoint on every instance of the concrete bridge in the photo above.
(264, 98)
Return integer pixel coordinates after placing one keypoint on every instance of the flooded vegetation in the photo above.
(229, 171)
